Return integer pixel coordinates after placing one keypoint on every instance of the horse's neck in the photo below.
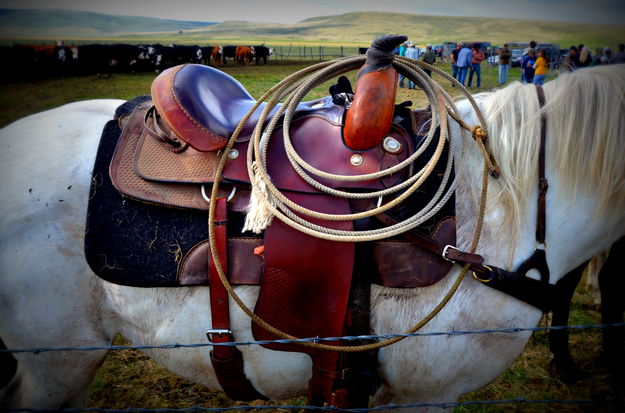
(574, 232)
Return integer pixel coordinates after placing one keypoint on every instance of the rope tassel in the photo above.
(259, 215)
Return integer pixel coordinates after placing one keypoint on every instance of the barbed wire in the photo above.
(509, 330)
(444, 405)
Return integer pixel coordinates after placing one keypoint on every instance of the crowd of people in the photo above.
(581, 56)
(466, 61)
(409, 49)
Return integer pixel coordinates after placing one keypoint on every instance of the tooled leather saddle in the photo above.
(147, 219)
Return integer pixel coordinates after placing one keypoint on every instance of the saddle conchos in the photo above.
(147, 220)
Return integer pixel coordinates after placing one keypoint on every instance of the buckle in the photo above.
(218, 331)
(446, 250)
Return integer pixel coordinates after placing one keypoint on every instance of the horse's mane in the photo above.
(585, 137)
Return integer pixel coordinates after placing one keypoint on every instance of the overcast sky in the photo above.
(292, 11)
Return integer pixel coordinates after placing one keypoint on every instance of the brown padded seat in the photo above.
(203, 105)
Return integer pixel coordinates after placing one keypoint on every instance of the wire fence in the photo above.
(510, 330)
(446, 405)
(443, 405)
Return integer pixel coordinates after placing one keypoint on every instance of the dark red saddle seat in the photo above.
(203, 106)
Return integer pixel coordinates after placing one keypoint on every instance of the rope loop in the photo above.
(291, 91)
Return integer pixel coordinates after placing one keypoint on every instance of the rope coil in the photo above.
(273, 203)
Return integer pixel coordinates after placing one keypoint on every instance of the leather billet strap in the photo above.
(538, 293)
(448, 252)
(227, 361)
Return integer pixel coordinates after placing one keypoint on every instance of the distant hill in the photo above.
(358, 28)
(362, 27)
(67, 23)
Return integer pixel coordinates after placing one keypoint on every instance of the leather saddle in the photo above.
(167, 154)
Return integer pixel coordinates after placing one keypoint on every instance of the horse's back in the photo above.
(45, 153)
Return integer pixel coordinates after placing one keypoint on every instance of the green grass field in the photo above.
(130, 379)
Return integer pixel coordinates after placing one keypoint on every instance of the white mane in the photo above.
(585, 137)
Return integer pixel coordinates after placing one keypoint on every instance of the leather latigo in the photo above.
(402, 264)
(244, 267)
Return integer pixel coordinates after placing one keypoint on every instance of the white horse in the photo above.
(50, 297)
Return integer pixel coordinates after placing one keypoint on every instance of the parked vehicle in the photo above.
(517, 56)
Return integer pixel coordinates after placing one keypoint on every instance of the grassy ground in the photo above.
(19, 99)
(130, 379)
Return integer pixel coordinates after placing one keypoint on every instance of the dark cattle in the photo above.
(207, 52)
(262, 52)
(228, 52)
(146, 58)
(18, 62)
(244, 54)
(187, 54)
(362, 50)
(168, 58)
(108, 59)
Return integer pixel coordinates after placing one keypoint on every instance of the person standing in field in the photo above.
(585, 58)
(428, 57)
(540, 68)
(525, 53)
(619, 56)
(504, 63)
(402, 53)
(412, 53)
(454, 59)
(464, 61)
(477, 56)
(571, 62)
(527, 65)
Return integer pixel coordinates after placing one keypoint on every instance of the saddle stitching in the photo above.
(210, 133)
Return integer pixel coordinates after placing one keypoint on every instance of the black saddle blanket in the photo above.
(129, 242)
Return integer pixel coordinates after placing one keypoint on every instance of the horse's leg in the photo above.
(595, 265)
(612, 286)
(562, 363)
(51, 379)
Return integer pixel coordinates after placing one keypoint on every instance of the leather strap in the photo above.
(161, 133)
(227, 361)
(448, 252)
(543, 185)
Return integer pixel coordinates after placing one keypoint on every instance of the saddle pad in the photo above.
(142, 244)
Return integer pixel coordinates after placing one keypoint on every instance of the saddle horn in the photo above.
(370, 116)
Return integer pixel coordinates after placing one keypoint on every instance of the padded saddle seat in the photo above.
(203, 106)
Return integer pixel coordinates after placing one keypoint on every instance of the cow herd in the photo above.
(24, 62)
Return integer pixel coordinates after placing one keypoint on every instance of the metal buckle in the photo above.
(446, 249)
(218, 331)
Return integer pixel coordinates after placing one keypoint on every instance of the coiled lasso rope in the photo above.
(272, 203)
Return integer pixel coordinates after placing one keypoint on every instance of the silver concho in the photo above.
(391, 145)
(233, 154)
(356, 159)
